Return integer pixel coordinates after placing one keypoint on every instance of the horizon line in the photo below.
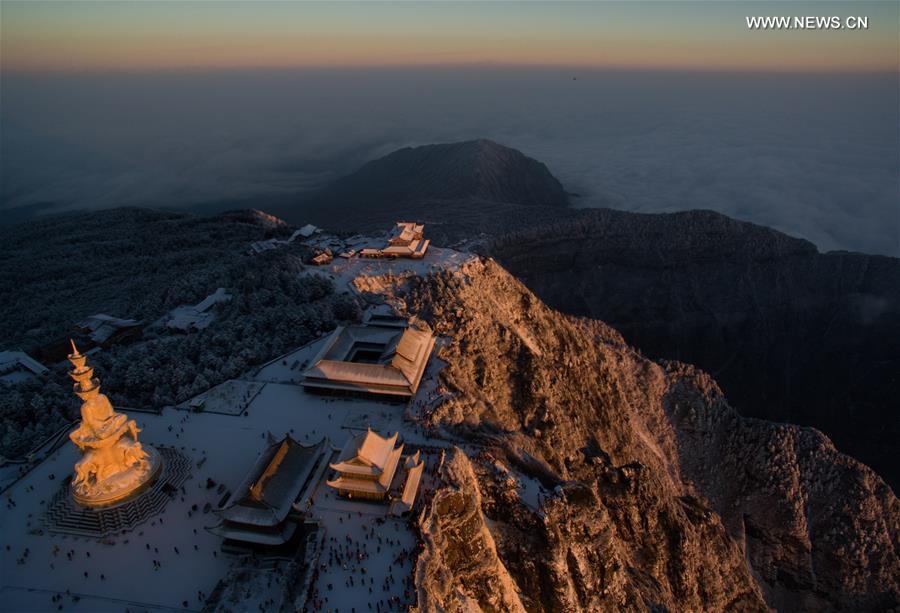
(740, 69)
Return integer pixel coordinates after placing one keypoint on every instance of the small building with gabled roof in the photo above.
(197, 316)
(306, 231)
(105, 330)
(262, 508)
(386, 316)
(366, 466)
(19, 366)
(371, 359)
(414, 469)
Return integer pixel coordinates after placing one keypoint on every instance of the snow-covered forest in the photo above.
(140, 264)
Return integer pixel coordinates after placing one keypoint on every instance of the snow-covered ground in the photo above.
(356, 273)
(171, 562)
(289, 367)
(121, 573)
(230, 398)
(530, 490)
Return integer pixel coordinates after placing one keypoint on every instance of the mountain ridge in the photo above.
(790, 333)
(661, 496)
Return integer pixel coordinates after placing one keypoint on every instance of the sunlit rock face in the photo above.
(657, 495)
(115, 465)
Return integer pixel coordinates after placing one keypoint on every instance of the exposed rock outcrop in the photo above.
(459, 569)
(791, 334)
(659, 495)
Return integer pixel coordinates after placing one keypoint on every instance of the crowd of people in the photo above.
(355, 564)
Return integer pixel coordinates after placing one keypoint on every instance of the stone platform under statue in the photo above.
(66, 516)
(115, 466)
(120, 476)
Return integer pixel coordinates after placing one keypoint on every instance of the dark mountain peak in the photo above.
(482, 152)
(469, 170)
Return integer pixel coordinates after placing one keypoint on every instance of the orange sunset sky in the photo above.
(684, 35)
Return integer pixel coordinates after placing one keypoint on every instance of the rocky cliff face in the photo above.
(658, 496)
(791, 334)
(460, 550)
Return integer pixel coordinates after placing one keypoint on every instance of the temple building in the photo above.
(414, 467)
(104, 330)
(385, 315)
(268, 506)
(19, 366)
(366, 466)
(198, 316)
(371, 359)
(406, 240)
(114, 465)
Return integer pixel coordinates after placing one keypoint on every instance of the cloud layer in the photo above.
(814, 156)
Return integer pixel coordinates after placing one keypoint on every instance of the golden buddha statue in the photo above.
(114, 466)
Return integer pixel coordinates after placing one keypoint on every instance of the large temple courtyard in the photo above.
(171, 562)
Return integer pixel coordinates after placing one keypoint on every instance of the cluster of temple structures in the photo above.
(406, 240)
(384, 356)
(271, 503)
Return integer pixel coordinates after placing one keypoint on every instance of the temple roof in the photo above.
(265, 495)
(277, 535)
(367, 458)
(402, 354)
(102, 326)
(413, 476)
(359, 485)
(410, 487)
(386, 316)
(12, 359)
(365, 453)
(404, 232)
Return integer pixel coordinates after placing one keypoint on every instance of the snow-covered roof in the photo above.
(277, 535)
(413, 476)
(402, 356)
(367, 463)
(220, 295)
(404, 232)
(197, 316)
(265, 495)
(405, 240)
(10, 360)
(101, 327)
(386, 316)
(366, 453)
(307, 230)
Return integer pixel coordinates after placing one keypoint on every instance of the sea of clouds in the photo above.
(816, 156)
